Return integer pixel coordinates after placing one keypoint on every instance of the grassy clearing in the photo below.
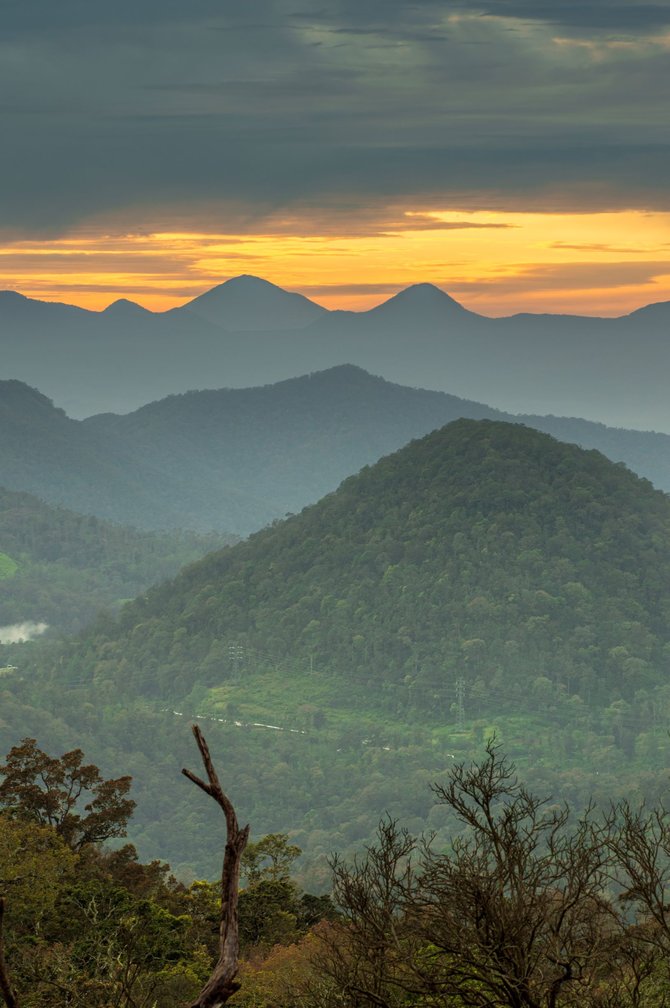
(8, 567)
(295, 701)
(319, 705)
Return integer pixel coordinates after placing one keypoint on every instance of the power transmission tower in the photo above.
(460, 707)
(236, 655)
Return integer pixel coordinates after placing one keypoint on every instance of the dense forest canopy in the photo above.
(90, 926)
(61, 568)
(485, 579)
(486, 551)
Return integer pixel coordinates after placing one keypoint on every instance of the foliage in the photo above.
(8, 566)
(237, 459)
(89, 926)
(529, 906)
(485, 552)
(65, 567)
(273, 848)
(34, 864)
(484, 580)
(47, 790)
(283, 978)
(516, 912)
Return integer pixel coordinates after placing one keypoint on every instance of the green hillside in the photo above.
(484, 579)
(8, 566)
(60, 567)
(486, 551)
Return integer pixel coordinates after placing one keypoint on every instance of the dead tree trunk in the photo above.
(5, 986)
(222, 984)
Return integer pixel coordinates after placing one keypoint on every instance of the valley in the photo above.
(62, 568)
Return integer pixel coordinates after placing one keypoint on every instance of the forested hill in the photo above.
(285, 445)
(44, 452)
(485, 552)
(237, 459)
(255, 454)
(60, 568)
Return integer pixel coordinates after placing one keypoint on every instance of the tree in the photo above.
(34, 862)
(273, 848)
(514, 914)
(368, 954)
(268, 914)
(50, 791)
(6, 988)
(639, 842)
(285, 978)
(118, 950)
(222, 983)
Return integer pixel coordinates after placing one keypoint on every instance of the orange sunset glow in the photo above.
(495, 263)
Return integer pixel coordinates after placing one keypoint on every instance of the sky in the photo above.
(514, 153)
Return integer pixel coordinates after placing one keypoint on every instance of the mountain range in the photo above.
(248, 332)
(234, 460)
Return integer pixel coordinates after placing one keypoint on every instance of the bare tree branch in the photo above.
(222, 983)
(512, 914)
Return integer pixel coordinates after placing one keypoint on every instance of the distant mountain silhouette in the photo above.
(424, 301)
(248, 303)
(44, 452)
(248, 332)
(18, 307)
(123, 309)
(657, 312)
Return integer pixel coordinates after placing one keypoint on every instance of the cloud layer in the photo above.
(154, 113)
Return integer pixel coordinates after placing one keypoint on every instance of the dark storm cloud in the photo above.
(599, 15)
(44, 16)
(414, 18)
(150, 108)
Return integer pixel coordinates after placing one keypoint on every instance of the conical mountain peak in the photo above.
(426, 293)
(248, 281)
(251, 303)
(122, 306)
(415, 526)
(421, 301)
